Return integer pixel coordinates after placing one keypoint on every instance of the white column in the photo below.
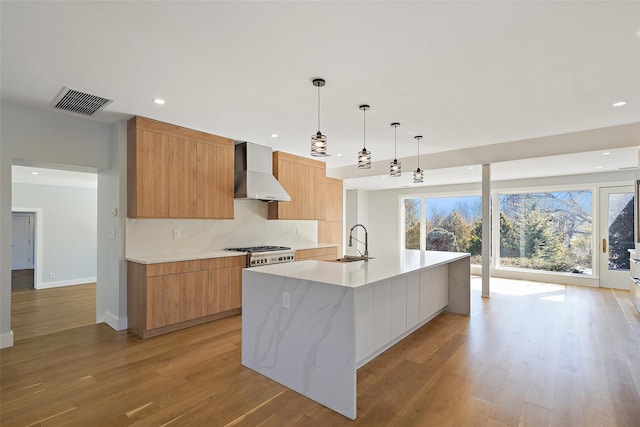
(486, 229)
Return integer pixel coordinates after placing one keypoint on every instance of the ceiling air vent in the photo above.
(77, 102)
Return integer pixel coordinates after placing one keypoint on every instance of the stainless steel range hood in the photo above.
(254, 179)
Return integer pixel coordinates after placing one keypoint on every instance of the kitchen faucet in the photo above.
(365, 243)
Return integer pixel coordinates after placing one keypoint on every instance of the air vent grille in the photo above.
(79, 102)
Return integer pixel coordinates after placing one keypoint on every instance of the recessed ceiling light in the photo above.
(606, 153)
(158, 101)
(383, 177)
(620, 103)
(598, 167)
(34, 173)
(273, 135)
(339, 154)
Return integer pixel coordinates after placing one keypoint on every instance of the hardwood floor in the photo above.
(37, 312)
(531, 355)
(22, 280)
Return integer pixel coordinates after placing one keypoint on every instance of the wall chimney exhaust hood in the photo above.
(254, 179)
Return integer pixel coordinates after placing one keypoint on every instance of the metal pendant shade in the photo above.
(395, 167)
(364, 156)
(318, 141)
(418, 174)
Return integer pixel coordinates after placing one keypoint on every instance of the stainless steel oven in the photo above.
(265, 255)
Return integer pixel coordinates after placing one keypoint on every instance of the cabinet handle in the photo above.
(604, 245)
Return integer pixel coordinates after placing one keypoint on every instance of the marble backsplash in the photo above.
(250, 227)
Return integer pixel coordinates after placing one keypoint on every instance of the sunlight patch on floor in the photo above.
(520, 287)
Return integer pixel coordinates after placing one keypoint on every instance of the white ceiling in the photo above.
(464, 74)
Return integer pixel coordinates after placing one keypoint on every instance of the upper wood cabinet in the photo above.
(331, 229)
(304, 180)
(175, 172)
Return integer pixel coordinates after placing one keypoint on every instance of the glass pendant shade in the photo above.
(364, 156)
(364, 159)
(418, 175)
(395, 168)
(318, 141)
(319, 145)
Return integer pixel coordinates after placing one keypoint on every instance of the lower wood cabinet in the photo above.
(320, 254)
(169, 296)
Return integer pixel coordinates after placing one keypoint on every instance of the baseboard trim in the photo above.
(61, 283)
(115, 322)
(6, 340)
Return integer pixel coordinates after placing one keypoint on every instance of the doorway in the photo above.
(23, 226)
(62, 294)
(616, 236)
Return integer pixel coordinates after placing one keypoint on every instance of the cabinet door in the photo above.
(333, 199)
(235, 287)
(218, 299)
(152, 174)
(194, 292)
(182, 177)
(413, 300)
(398, 306)
(303, 178)
(214, 181)
(319, 193)
(285, 210)
(382, 313)
(163, 301)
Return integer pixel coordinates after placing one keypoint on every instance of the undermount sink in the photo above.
(350, 258)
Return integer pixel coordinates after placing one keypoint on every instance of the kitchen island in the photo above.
(310, 325)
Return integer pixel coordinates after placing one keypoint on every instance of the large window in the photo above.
(548, 231)
(450, 224)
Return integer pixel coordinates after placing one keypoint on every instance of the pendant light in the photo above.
(318, 141)
(395, 167)
(364, 156)
(418, 173)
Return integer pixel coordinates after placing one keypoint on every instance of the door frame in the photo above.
(37, 240)
(619, 278)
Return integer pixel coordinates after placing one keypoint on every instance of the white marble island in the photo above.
(310, 325)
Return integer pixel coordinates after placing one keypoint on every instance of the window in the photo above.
(547, 231)
(451, 223)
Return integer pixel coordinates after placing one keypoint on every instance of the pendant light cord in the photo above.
(318, 108)
(364, 129)
(395, 143)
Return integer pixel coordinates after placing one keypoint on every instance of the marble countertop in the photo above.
(220, 253)
(360, 273)
(157, 259)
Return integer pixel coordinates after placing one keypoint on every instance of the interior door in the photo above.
(22, 240)
(616, 236)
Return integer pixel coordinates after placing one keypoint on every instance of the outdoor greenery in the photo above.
(550, 231)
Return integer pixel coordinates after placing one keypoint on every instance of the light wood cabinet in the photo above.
(304, 180)
(165, 297)
(320, 254)
(175, 172)
(331, 229)
(214, 181)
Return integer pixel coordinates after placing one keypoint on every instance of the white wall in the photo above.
(111, 293)
(249, 227)
(44, 138)
(69, 230)
(357, 212)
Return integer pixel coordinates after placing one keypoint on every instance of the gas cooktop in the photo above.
(260, 249)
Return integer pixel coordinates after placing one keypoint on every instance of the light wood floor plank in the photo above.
(532, 355)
